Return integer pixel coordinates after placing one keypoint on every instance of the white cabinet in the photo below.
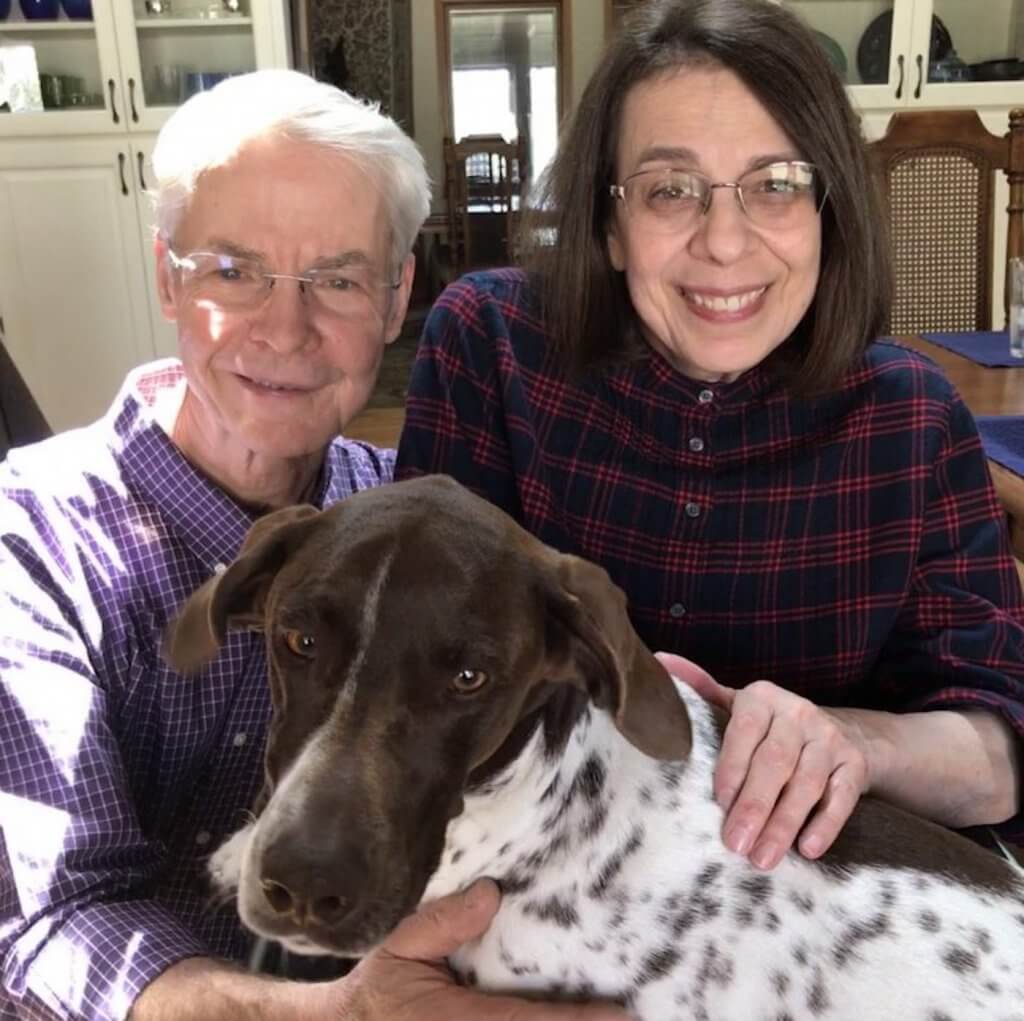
(77, 287)
(72, 284)
(907, 54)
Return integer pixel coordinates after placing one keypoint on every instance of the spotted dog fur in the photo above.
(507, 722)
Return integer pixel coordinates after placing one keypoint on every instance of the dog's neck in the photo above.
(550, 800)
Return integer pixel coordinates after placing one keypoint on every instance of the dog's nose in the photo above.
(310, 884)
(325, 908)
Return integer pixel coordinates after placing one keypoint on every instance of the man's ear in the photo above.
(164, 279)
(399, 304)
(236, 597)
(608, 660)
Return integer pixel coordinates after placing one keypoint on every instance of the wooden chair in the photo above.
(484, 175)
(938, 169)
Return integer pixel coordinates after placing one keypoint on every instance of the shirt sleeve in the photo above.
(80, 936)
(958, 642)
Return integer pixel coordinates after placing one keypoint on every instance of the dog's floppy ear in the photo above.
(618, 671)
(235, 597)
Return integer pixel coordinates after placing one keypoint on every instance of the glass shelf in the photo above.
(41, 26)
(167, 24)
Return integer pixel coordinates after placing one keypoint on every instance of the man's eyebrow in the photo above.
(353, 257)
(224, 247)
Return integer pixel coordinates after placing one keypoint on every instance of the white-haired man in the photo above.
(286, 215)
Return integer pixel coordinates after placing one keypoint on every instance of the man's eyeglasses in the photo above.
(780, 196)
(236, 284)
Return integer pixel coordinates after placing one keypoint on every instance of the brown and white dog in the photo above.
(453, 699)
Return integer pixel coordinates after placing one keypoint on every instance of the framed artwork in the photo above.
(362, 46)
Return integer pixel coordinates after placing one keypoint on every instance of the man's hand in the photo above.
(406, 978)
(789, 772)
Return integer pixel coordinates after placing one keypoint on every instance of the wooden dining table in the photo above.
(987, 391)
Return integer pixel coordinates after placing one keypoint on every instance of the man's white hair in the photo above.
(209, 129)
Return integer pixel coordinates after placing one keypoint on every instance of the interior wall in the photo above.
(587, 37)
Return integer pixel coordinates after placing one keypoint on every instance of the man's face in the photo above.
(282, 376)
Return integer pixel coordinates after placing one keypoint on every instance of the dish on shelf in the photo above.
(875, 43)
(834, 52)
(1006, 70)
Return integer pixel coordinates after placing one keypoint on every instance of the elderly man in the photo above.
(286, 214)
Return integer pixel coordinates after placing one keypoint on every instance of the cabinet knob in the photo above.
(121, 159)
(113, 102)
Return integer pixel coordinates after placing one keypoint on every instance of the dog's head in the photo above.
(415, 636)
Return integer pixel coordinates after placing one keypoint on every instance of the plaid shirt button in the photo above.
(677, 610)
(692, 510)
(706, 396)
(696, 444)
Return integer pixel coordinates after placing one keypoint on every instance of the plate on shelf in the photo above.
(834, 52)
(873, 48)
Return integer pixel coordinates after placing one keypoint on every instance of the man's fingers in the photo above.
(441, 927)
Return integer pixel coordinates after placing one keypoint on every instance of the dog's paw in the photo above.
(225, 865)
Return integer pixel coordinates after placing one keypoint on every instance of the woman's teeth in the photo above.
(732, 303)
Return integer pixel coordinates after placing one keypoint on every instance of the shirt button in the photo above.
(696, 444)
(692, 510)
(239, 739)
(202, 838)
(677, 610)
(219, 568)
(706, 396)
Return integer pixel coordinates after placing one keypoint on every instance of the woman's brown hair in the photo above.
(586, 303)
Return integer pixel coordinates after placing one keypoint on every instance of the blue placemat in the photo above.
(1003, 439)
(991, 348)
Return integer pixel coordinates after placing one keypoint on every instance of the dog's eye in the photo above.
(300, 643)
(467, 682)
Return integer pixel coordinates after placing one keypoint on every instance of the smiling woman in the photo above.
(685, 388)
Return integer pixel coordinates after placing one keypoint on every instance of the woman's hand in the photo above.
(789, 771)
(407, 978)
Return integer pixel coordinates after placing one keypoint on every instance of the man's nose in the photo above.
(283, 321)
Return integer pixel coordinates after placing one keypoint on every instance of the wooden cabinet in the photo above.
(77, 286)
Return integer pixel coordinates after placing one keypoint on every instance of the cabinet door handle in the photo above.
(113, 102)
(131, 99)
(142, 176)
(920, 76)
(899, 86)
(121, 159)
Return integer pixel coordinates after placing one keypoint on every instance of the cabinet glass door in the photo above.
(979, 45)
(186, 46)
(857, 35)
(53, 66)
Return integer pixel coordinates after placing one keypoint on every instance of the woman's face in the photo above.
(719, 295)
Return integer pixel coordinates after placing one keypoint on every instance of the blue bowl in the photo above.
(40, 10)
(77, 9)
(5, 9)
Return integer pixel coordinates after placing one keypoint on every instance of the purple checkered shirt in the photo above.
(117, 776)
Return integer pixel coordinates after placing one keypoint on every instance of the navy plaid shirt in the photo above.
(849, 548)
(117, 776)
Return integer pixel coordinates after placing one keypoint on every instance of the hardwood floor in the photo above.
(379, 426)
